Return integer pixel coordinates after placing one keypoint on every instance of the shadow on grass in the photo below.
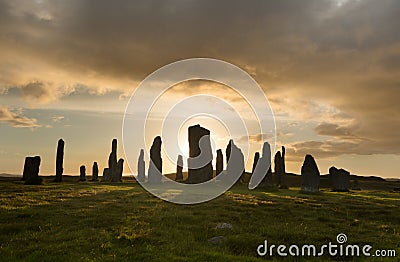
(101, 221)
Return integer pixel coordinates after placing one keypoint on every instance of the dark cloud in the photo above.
(299, 51)
(335, 130)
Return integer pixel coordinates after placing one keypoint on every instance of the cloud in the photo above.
(57, 119)
(16, 119)
(335, 130)
(316, 60)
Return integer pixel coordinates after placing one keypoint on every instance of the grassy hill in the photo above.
(91, 221)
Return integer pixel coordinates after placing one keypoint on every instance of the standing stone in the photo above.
(95, 172)
(112, 161)
(235, 163)
(155, 166)
(59, 161)
(282, 182)
(255, 161)
(141, 167)
(200, 167)
(106, 175)
(278, 167)
(219, 165)
(120, 169)
(31, 171)
(179, 168)
(340, 179)
(263, 167)
(310, 175)
(228, 151)
(82, 176)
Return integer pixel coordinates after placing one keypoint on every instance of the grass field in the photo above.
(90, 221)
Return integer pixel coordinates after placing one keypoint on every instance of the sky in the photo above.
(329, 68)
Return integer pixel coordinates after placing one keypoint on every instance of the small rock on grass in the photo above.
(217, 240)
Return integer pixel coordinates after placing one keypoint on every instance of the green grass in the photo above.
(100, 221)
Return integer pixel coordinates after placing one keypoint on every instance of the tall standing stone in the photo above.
(141, 167)
(179, 168)
(120, 169)
(31, 171)
(235, 163)
(219, 163)
(340, 179)
(112, 161)
(155, 166)
(310, 175)
(59, 160)
(82, 171)
(200, 167)
(95, 172)
(282, 182)
(263, 167)
(278, 167)
(255, 161)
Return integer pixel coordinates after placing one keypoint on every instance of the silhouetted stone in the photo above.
(280, 169)
(236, 160)
(263, 167)
(283, 175)
(219, 163)
(340, 179)
(228, 151)
(255, 161)
(106, 175)
(31, 170)
(356, 185)
(59, 160)
(82, 176)
(112, 161)
(200, 167)
(155, 166)
(141, 167)
(310, 175)
(179, 168)
(95, 172)
(120, 169)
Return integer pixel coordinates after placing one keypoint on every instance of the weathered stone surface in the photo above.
(31, 171)
(340, 179)
(120, 169)
(235, 163)
(112, 161)
(217, 240)
(82, 171)
(179, 168)
(223, 226)
(95, 172)
(255, 161)
(310, 175)
(155, 165)
(59, 160)
(219, 163)
(200, 167)
(106, 175)
(141, 167)
(263, 167)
